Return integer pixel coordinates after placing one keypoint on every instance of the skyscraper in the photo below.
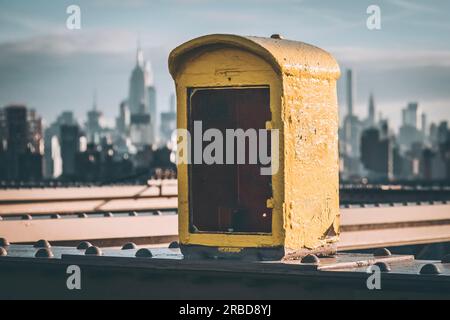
(377, 152)
(352, 125)
(153, 111)
(123, 120)
(371, 113)
(93, 125)
(22, 143)
(70, 146)
(142, 102)
(410, 115)
(350, 97)
(168, 121)
(410, 132)
(53, 160)
(138, 84)
(424, 125)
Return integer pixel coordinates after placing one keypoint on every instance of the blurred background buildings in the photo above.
(371, 151)
(134, 149)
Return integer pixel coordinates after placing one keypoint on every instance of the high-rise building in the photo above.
(424, 125)
(377, 153)
(139, 99)
(93, 124)
(138, 85)
(123, 120)
(442, 133)
(168, 121)
(151, 92)
(350, 93)
(52, 157)
(352, 126)
(35, 137)
(410, 133)
(371, 113)
(22, 144)
(410, 115)
(70, 146)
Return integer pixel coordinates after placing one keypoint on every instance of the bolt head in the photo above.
(144, 253)
(310, 258)
(174, 245)
(430, 268)
(84, 245)
(276, 36)
(93, 251)
(4, 242)
(42, 244)
(382, 252)
(44, 253)
(129, 246)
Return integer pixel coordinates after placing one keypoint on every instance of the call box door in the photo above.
(229, 197)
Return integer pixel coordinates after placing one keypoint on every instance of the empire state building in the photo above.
(142, 103)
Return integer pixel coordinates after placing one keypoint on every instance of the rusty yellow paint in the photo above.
(302, 81)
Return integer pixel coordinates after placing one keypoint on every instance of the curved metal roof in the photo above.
(286, 56)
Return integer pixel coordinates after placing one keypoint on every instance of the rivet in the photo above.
(157, 213)
(276, 36)
(108, 214)
(382, 252)
(84, 245)
(446, 259)
(144, 253)
(42, 244)
(3, 252)
(44, 253)
(27, 217)
(129, 246)
(93, 251)
(174, 245)
(4, 242)
(429, 268)
(384, 267)
(310, 258)
(133, 214)
(55, 216)
(82, 215)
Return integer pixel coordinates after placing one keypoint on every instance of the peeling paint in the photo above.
(302, 80)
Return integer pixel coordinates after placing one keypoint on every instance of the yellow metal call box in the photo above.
(277, 96)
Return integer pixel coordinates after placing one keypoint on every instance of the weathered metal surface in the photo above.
(391, 237)
(119, 274)
(61, 230)
(303, 103)
(362, 228)
(394, 226)
(158, 194)
(378, 194)
(394, 216)
(165, 188)
(66, 200)
(67, 207)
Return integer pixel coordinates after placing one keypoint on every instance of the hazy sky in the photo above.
(51, 68)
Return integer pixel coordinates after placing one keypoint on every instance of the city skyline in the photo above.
(52, 69)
